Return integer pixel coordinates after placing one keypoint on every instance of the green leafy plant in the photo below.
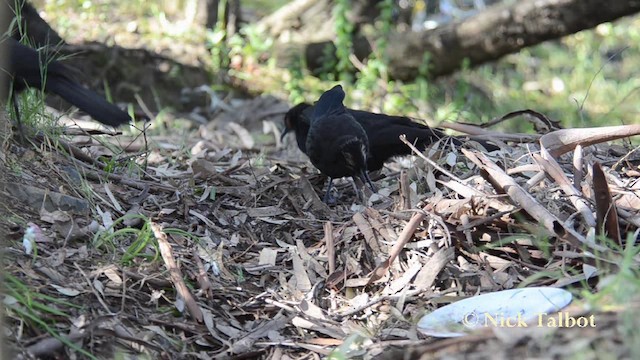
(217, 41)
(35, 308)
(295, 84)
(344, 41)
(143, 239)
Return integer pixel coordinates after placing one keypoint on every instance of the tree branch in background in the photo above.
(497, 31)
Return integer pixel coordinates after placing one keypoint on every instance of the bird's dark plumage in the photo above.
(335, 143)
(383, 132)
(26, 67)
(32, 26)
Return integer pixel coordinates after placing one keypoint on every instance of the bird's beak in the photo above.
(284, 133)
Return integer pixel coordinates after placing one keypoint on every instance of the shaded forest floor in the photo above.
(202, 241)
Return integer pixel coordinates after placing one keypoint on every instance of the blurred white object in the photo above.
(508, 308)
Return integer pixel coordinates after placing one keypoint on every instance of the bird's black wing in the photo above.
(385, 130)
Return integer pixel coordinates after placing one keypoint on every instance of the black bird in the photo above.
(26, 67)
(32, 26)
(335, 143)
(383, 132)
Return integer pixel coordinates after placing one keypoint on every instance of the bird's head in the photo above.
(293, 119)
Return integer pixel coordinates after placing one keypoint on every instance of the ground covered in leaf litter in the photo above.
(216, 244)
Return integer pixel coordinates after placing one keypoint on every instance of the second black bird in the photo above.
(29, 68)
(336, 143)
(383, 132)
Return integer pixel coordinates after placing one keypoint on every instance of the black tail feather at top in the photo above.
(329, 102)
(88, 101)
(30, 68)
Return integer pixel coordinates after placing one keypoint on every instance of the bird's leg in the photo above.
(18, 121)
(364, 176)
(358, 188)
(328, 199)
(362, 179)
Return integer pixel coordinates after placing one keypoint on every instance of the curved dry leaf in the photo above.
(606, 213)
(66, 291)
(565, 140)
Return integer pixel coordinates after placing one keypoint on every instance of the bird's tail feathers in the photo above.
(89, 102)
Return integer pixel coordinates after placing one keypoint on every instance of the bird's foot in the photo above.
(360, 188)
(328, 198)
(366, 179)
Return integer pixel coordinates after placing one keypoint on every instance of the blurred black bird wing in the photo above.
(24, 65)
(27, 65)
